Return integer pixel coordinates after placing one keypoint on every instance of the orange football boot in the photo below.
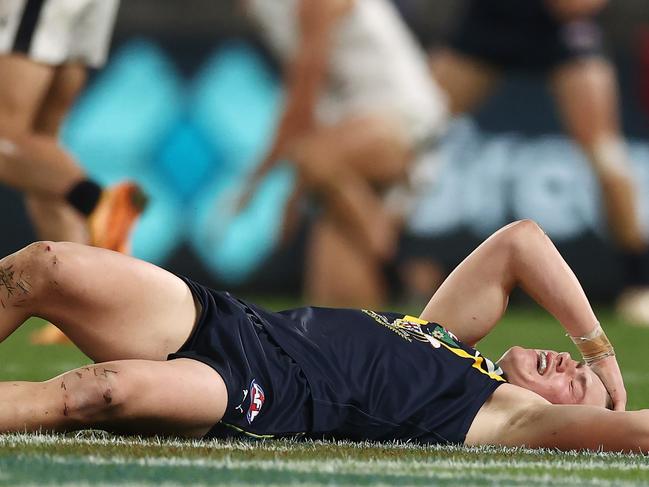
(113, 219)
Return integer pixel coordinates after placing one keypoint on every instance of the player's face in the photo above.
(554, 376)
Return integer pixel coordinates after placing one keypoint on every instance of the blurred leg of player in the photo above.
(63, 203)
(34, 98)
(116, 309)
(55, 219)
(347, 167)
(466, 82)
(586, 92)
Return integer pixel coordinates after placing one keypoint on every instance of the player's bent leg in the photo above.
(67, 83)
(181, 397)
(340, 273)
(54, 218)
(112, 306)
(347, 166)
(467, 82)
(586, 92)
(23, 85)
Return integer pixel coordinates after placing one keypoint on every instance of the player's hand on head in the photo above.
(608, 371)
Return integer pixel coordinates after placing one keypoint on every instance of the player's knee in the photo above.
(315, 164)
(30, 269)
(92, 395)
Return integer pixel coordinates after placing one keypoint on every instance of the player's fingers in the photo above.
(619, 402)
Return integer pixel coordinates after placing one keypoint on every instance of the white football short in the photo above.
(57, 32)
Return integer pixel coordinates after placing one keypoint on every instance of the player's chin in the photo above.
(515, 361)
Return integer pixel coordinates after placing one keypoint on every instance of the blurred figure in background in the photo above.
(359, 104)
(45, 48)
(559, 39)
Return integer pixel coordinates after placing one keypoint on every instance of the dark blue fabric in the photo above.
(338, 373)
(523, 35)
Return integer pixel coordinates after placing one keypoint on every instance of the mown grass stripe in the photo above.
(387, 467)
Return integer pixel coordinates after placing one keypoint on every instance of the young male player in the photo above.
(45, 48)
(560, 40)
(360, 103)
(174, 357)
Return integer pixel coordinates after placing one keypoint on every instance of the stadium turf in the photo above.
(95, 458)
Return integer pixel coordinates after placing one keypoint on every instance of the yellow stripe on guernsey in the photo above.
(410, 327)
(477, 361)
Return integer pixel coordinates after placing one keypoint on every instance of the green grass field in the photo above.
(95, 458)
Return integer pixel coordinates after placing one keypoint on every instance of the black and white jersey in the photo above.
(57, 32)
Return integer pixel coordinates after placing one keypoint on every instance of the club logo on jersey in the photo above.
(415, 329)
(240, 406)
(410, 328)
(257, 398)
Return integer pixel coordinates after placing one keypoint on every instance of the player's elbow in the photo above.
(520, 236)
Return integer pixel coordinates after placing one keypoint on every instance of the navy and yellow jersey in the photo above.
(523, 35)
(338, 373)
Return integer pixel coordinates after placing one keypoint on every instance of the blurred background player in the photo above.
(45, 48)
(359, 104)
(560, 39)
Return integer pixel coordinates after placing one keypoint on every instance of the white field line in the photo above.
(376, 467)
(100, 439)
(494, 480)
(468, 477)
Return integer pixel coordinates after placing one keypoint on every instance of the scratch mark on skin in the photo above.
(22, 285)
(6, 280)
(63, 386)
(95, 372)
(108, 371)
(3, 304)
(48, 248)
(13, 284)
(65, 409)
(108, 397)
(79, 375)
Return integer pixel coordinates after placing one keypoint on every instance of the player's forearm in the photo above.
(538, 268)
(304, 80)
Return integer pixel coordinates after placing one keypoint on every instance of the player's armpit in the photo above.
(575, 427)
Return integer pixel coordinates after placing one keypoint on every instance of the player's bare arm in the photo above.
(514, 416)
(474, 297)
(304, 77)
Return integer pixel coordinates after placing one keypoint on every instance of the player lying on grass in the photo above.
(175, 358)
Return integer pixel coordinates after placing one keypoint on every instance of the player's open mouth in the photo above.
(541, 362)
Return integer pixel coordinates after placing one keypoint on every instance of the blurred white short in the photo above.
(58, 31)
